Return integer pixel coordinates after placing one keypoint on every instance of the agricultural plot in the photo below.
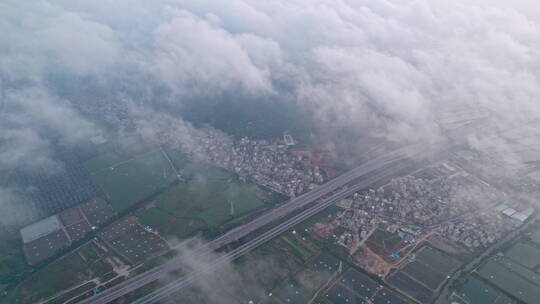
(506, 277)
(324, 263)
(524, 254)
(97, 211)
(386, 296)
(356, 287)
(48, 191)
(476, 291)
(424, 274)
(293, 293)
(422, 277)
(69, 272)
(521, 270)
(131, 241)
(360, 283)
(384, 244)
(75, 223)
(437, 259)
(78, 231)
(45, 247)
(339, 294)
(209, 198)
(410, 287)
(129, 181)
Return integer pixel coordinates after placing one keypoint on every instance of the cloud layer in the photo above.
(399, 71)
(388, 66)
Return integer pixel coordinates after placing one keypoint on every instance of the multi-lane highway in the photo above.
(369, 174)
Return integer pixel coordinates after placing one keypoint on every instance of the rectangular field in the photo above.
(524, 254)
(510, 281)
(360, 283)
(438, 260)
(211, 196)
(386, 296)
(476, 291)
(410, 287)
(131, 180)
(431, 267)
(424, 274)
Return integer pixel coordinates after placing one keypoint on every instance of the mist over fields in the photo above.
(353, 72)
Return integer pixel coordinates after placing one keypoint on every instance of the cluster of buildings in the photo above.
(456, 207)
(265, 162)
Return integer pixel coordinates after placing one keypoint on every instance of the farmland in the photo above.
(85, 264)
(355, 287)
(129, 181)
(524, 254)
(422, 277)
(384, 243)
(131, 241)
(410, 287)
(255, 276)
(476, 291)
(505, 277)
(208, 199)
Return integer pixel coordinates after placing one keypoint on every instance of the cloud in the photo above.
(396, 71)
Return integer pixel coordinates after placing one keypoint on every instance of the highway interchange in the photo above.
(370, 174)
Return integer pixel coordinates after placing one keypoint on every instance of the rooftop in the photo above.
(39, 229)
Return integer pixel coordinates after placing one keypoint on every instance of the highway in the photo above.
(369, 174)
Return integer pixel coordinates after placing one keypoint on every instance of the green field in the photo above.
(128, 181)
(524, 254)
(66, 273)
(521, 270)
(443, 263)
(510, 282)
(476, 291)
(102, 162)
(203, 201)
(208, 197)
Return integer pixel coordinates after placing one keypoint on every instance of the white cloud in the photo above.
(388, 67)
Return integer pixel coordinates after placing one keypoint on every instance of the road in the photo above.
(375, 178)
(370, 173)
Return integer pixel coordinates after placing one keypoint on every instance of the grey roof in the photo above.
(40, 229)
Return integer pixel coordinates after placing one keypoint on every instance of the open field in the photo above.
(256, 275)
(435, 258)
(77, 268)
(384, 243)
(386, 296)
(424, 274)
(510, 281)
(431, 267)
(521, 270)
(128, 181)
(356, 287)
(535, 237)
(524, 254)
(476, 291)
(131, 241)
(360, 283)
(410, 287)
(209, 198)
